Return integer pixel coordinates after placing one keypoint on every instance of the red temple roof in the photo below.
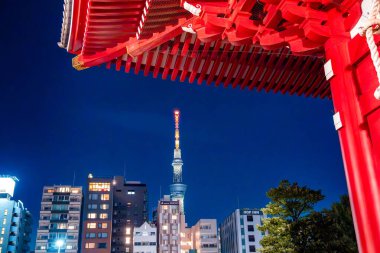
(158, 37)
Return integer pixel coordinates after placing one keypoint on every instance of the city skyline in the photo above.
(56, 121)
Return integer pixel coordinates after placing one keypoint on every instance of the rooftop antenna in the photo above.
(74, 179)
(124, 168)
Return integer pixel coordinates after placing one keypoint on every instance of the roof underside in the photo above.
(184, 57)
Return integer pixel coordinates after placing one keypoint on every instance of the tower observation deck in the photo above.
(177, 189)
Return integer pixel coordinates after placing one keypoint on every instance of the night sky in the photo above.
(55, 121)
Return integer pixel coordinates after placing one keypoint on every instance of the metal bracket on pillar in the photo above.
(337, 121)
(329, 73)
(366, 11)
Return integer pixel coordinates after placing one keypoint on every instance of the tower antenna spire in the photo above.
(177, 189)
(177, 162)
(176, 121)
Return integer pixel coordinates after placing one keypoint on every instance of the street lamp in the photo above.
(59, 244)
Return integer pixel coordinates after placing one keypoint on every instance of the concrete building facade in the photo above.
(239, 232)
(168, 222)
(15, 220)
(145, 238)
(113, 207)
(205, 236)
(60, 219)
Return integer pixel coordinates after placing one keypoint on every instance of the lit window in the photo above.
(165, 227)
(91, 225)
(165, 207)
(131, 192)
(102, 225)
(63, 189)
(105, 197)
(6, 212)
(174, 217)
(4, 221)
(61, 225)
(103, 216)
(100, 187)
(104, 206)
(91, 215)
(90, 245)
(75, 190)
(128, 231)
(3, 231)
(1, 240)
(128, 240)
(71, 226)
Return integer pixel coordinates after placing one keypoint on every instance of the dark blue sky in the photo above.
(236, 144)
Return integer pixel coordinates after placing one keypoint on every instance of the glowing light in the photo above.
(59, 243)
(128, 240)
(128, 231)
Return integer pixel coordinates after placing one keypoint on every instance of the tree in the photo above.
(289, 203)
(277, 230)
(293, 226)
(330, 230)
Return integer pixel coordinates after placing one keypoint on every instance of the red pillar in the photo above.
(352, 86)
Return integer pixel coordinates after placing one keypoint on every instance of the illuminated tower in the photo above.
(177, 189)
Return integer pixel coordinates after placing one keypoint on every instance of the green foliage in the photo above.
(294, 200)
(277, 231)
(293, 226)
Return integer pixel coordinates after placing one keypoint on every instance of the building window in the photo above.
(90, 245)
(99, 187)
(205, 227)
(92, 206)
(90, 235)
(251, 238)
(102, 245)
(1, 240)
(104, 206)
(92, 196)
(63, 189)
(103, 216)
(75, 190)
(91, 215)
(250, 228)
(5, 212)
(128, 231)
(249, 217)
(4, 221)
(71, 227)
(105, 197)
(102, 235)
(102, 225)
(128, 240)
(91, 225)
(252, 248)
(131, 192)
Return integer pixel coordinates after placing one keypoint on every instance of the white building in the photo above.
(239, 232)
(204, 236)
(168, 220)
(145, 238)
(59, 219)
